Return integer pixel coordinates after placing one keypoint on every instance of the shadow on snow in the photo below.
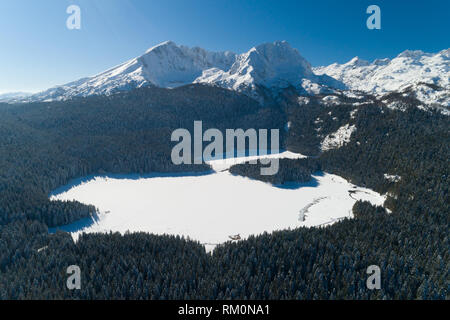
(125, 176)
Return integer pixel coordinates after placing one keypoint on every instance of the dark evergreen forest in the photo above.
(45, 145)
(289, 171)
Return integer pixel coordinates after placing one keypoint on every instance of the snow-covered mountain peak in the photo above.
(165, 65)
(162, 46)
(169, 65)
(271, 65)
(357, 62)
(410, 69)
(279, 61)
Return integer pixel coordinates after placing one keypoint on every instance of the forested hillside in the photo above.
(44, 145)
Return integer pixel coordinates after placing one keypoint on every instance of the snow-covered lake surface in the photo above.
(210, 207)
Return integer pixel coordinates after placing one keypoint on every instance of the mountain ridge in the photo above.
(425, 75)
(168, 65)
(274, 66)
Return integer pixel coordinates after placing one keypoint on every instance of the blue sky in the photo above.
(37, 50)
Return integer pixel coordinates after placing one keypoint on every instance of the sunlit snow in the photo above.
(338, 139)
(211, 207)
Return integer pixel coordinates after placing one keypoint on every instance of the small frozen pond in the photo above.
(210, 207)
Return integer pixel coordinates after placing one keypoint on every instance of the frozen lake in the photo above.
(211, 207)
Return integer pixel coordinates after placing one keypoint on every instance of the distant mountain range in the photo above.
(426, 75)
(271, 66)
(13, 95)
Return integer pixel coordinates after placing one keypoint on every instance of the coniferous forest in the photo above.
(45, 145)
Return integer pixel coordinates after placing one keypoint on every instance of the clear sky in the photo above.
(37, 51)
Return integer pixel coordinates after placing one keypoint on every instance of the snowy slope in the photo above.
(272, 65)
(167, 65)
(338, 139)
(425, 75)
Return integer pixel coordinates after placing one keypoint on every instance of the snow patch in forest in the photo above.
(392, 177)
(339, 138)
